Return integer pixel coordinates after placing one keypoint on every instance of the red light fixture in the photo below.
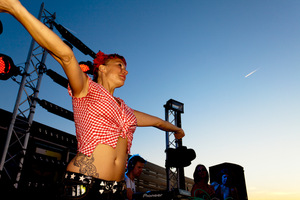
(7, 67)
(86, 67)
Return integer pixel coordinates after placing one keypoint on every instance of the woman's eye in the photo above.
(121, 66)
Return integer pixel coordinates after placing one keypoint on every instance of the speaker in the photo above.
(47, 155)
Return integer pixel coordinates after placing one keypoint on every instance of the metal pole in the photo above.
(167, 147)
(31, 114)
(180, 170)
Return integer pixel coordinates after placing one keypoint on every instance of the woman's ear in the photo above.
(102, 68)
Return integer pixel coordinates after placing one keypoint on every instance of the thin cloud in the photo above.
(251, 73)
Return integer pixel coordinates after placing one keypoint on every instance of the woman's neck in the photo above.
(107, 86)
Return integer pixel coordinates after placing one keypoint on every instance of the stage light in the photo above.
(68, 43)
(1, 27)
(74, 40)
(55, 109)
(57, 78)
(174, 105)
(86, 67)
(7, 67)
(180, 157)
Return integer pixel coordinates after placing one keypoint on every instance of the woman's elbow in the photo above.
(67, 57)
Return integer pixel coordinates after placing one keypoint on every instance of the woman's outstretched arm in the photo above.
(144, 119)
(51, 42)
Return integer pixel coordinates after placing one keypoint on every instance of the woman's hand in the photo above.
(179, 134)
(8, 5)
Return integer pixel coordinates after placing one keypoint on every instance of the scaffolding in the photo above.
(18, 133)
(175, 176)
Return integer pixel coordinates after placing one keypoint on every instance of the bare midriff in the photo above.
(105, 163)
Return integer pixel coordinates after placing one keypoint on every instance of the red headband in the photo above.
(101, 58)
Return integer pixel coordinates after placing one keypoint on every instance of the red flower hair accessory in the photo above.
(99, 60)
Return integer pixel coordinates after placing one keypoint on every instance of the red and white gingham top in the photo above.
(100, 119)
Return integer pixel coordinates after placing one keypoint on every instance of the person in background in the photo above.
(225, 190)
(134, 169)
(201, 189)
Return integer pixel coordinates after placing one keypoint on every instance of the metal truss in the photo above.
(174, 175)
(19, 130)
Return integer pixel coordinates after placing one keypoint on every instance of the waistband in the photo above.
(99, 184)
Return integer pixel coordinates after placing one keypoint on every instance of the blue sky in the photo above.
(198, 53)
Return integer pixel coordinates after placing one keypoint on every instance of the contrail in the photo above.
(251, 73)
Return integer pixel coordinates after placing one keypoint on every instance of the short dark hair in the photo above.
(133, 160)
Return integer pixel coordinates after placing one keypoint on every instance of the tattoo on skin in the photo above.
(85, 164)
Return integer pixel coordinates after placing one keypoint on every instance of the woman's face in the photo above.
(115, 72)
(202, 172)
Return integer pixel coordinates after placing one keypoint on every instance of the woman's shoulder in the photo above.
(95, 89)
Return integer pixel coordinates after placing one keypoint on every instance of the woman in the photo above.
(104, 124)
(201, 189)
